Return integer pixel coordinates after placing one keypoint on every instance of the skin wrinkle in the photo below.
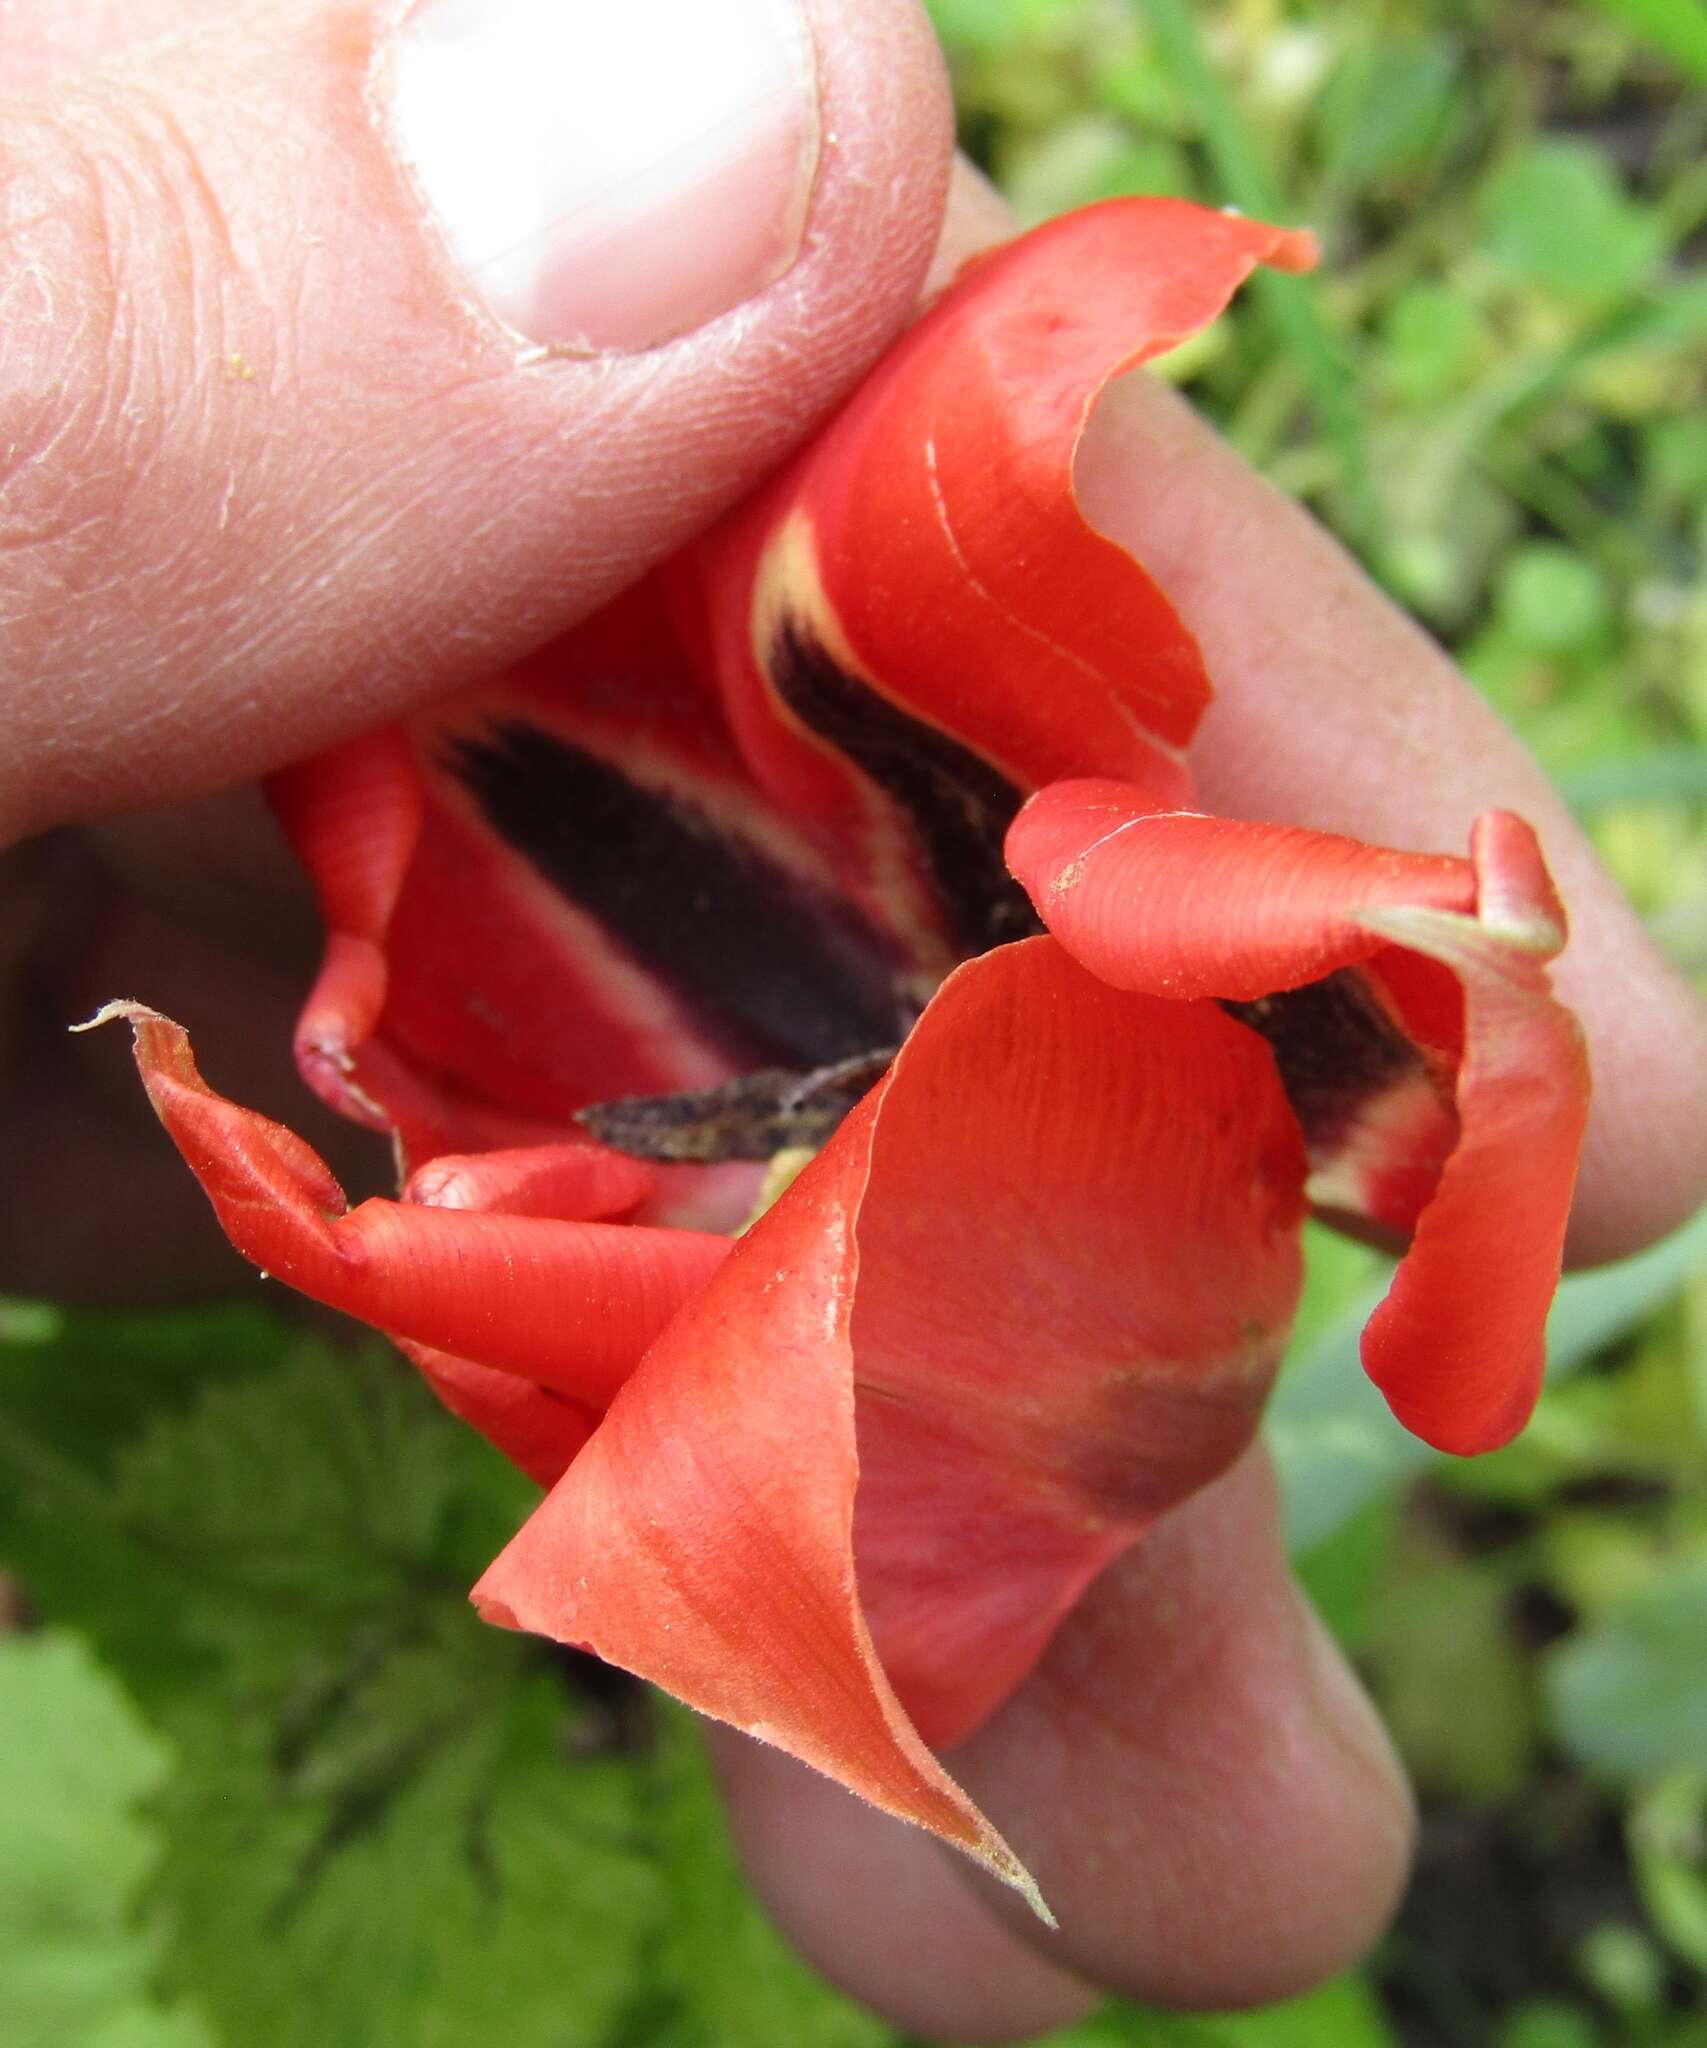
(38, 352)
(144, 191)
(282, 633)
(207, 211)
(139, 408)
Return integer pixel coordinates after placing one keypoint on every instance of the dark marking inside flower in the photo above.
(957, 806)
(1336, 1047)
(776, 970)
(753, 1117)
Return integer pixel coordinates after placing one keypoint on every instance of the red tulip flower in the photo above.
(896, 758)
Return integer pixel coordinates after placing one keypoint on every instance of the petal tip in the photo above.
(1516, 897)
(1001, 1862)
(133, 1013)
(493, 1610)
(1460, 1437)
(1294, 250)
(1449, 1412)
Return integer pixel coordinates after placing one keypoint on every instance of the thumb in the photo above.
(348, 351)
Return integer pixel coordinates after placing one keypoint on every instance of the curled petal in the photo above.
(578, 1181)
(939, 510)
(1030, 1295)
(354, 817)
(1335, 951)
(567, 1305)
(703, 1538)
(1458, 1346)
(1179, 904)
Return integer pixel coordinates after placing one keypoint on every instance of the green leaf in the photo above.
(1455, 1688)
(82, 1380)
(1386, 108)
(76, 1763)
(75, 1387)
(1548, 2023)
(1428, 341)
(427, 1864)
(377, 1831)
(1345, 2012)
(1630, 1693)
(376, 1796)
(1676, 28)
(1344, 1573)
(1550, 597)
(983, 27)
(1667, 775)
(144, 2026)
(1556, 216)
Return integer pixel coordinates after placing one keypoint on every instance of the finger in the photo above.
(1334, 710)
(320, 407)
(876, 1907)
(1192, 1774)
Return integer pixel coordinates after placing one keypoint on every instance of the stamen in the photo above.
(755, 1116)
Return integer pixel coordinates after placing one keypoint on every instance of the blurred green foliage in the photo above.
(283, 1755)
(76, 1761)
(369, 1818)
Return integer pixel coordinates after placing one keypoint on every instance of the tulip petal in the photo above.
(1458, 1346)
(1031, 1294)
(1180, 904)
(536, 1429)
(930, 538)
(569, 1181)
(354, 817)
(565, 887)
(637, 865)
(567, 1305)
(914, 625)
(1452, 1111)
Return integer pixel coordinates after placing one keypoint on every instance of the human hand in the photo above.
(272, 473)
(1186, 1699)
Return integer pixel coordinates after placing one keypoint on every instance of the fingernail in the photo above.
(609, 177)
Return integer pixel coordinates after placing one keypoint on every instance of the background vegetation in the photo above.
(263, 1779)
